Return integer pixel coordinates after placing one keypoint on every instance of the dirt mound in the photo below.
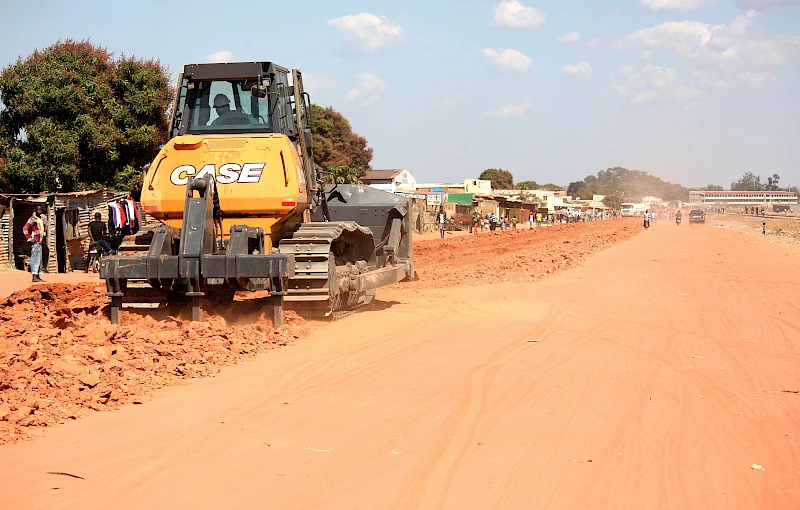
(514, 255)
(61, 356)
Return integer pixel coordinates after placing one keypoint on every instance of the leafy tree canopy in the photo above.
(336, 147)
(501, 179)
(748, 182)
(753, 182)
(76, 118)
(527, 185)
(631, 185)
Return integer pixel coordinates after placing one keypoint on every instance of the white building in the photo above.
(550, 199)
(478, 186)
(651, 200)
(396, 179)
(720, 198)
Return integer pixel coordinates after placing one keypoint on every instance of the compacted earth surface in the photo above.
(577, 366)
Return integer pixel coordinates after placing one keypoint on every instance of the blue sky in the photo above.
(693, 91)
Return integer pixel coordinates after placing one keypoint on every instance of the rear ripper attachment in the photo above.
(186, 264)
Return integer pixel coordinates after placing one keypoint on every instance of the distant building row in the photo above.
(712, 198)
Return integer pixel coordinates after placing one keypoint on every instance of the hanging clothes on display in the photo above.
(132, 213)
(123, 217)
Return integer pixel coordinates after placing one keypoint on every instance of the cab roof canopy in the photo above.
(230, 71)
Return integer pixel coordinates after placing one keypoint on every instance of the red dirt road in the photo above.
(654, 375)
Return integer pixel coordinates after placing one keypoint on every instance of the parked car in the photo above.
(697, 216)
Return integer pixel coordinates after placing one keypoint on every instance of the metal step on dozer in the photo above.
(242, 208)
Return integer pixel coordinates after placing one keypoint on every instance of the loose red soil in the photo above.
(60, 356)
(514, 255)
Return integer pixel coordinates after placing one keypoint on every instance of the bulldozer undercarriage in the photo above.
(320, 269)
(332, 260)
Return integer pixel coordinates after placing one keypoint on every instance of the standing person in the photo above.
(442, 216)
(647, 219)
(35, 231)
(530, 220)
(538, 219)
(764, 228)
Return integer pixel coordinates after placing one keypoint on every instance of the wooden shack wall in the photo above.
(87, 205)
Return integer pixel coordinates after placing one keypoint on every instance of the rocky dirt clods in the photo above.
(60, 355)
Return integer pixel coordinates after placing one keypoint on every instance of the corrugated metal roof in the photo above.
(374, 175)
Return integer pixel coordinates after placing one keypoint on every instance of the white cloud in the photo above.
(730, 45)
(366, 33)
(509, 61)
(368, 90)
(513, 14)
(646, 55)
(512, 110)
(675, 5)
(581, 70)
(314, 83)
(712, 79)
(219, 57)
(757, 80)
(573, 37)
(649, 83)
(448, 104)
(594, 43)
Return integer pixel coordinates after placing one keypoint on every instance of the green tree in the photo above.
(345, 175)
(527, 185)
(77, 118)
(712, 187)
(336, 147)
(772, 183)
(501, 179)
(748, 182)
(574, 188)
(630, 184)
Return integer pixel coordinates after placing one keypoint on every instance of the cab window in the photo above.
(223, 106)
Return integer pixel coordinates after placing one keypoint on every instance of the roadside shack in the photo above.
(67, 216)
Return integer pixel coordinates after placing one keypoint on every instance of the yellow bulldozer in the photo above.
(243, 207)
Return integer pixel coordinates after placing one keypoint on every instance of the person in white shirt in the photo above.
(442, 216)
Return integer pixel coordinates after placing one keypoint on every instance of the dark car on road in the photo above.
(697, 216)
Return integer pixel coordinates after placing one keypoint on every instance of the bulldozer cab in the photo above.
(243, 98)
(248, 97)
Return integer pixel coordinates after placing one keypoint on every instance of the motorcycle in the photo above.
(677, 221)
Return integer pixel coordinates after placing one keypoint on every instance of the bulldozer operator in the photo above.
(226, 115)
